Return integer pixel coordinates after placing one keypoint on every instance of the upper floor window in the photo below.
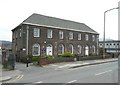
(79, 36)
(20, 32)
(86, 37)
(70, 35)
(93, 37)
(60, 34)
(16, 34)
(36, 32)
(49, 33)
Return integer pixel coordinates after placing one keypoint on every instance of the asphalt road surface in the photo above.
(99, 73)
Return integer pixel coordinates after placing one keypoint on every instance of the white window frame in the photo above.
(87, 37)
(33, 49)
(49, 33)
(20, 32)
(60, 34)
(79, 36)
(36, 32)
(70, 35)
(93, 37)
(79, 49)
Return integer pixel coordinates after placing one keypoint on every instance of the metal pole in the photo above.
(27, 40)
(27, 46)
(104, 37)
(104, 30)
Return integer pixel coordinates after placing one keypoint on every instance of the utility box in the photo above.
(11, 62)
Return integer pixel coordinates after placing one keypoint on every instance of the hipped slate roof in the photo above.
(37, 19)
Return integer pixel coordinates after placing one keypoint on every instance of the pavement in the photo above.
(7, 75)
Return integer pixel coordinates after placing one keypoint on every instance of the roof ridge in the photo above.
(39, 19)
(57, 18)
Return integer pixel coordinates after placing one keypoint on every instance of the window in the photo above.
(36, 32)
(93, 49)
(49, 33)
(61, 49)
(70, 35)
(70, 48)
(93, 37)
(79, 49)
(36, 50)
(79, 36)
(60, 34)
(16, 34)
(16, 48)
(20, 32)
(86, 37)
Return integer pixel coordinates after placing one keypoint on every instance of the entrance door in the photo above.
(49, 50)
(87, 50)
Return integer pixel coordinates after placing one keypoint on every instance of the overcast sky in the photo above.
(90, 12)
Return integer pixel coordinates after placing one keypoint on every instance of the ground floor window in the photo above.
(79, 49)
(70, 48)
(93, 49)
(36, 50)
(61, 49)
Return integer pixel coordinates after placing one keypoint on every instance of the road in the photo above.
(99, 73)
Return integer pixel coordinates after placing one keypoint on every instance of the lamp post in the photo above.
(27, 46)
(104, 29)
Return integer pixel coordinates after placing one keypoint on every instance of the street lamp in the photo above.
(104, 29)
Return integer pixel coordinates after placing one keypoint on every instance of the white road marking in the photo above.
(103, 72)
(72, 81)
(19, 76)
(38, 82)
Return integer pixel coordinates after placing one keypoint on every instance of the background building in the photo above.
(111, 46)
(43, 35)
(5, 50)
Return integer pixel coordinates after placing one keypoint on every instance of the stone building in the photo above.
(43, 35)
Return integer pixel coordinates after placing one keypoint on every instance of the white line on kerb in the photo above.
(39, 82)
(72, 81)
(103, 72)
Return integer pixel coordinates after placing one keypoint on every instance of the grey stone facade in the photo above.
(19, 39)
